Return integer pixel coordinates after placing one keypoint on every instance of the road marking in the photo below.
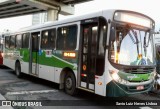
(2, 97)
(30, 92)
(145, 107)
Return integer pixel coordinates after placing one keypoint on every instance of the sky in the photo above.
(148, 7)
(15, 23)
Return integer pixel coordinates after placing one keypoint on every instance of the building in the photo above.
(39, 18)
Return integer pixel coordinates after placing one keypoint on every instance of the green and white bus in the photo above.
(109, 53)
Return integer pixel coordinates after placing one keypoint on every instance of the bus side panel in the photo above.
(12, 64)
(6, 62)
(52, 63)
(25, 67)
(46, 72)
(57, 75)
(23, 57)
(9, 59)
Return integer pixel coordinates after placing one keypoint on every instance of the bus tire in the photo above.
(18, 70)
(70, 84)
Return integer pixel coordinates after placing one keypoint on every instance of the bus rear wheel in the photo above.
(18, 70)
(70, 84)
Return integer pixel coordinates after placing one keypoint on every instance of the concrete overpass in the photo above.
(11, 8)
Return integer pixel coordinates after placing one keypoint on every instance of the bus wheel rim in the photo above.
(68, 83)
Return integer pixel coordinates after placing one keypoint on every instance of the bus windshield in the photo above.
(131, 46)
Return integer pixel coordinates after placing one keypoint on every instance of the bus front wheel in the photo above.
(18, 70)
(70, 84)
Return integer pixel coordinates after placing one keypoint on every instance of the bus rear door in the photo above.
(34, 48)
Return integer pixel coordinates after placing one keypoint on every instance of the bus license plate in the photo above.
(140, 87)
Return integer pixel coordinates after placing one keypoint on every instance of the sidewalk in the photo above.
(4, 107)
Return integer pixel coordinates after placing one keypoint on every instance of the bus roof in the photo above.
(107, 13)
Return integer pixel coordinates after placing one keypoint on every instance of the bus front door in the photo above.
(34, 48)
(88, 56)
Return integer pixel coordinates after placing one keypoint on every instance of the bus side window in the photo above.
(67, 38)
(12, 42)
(44, 40)
(52, 38)
(72, 37)
(60, 39)
(7, 41)
(25, 40)
(18, 41)
(48, 39)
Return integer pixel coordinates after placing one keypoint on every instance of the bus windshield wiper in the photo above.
(134, 41)
(131, 36)
(146, 41)
(135, 35)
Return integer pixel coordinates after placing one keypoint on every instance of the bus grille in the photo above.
(139, 70)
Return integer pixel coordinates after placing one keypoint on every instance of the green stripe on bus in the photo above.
(55, 61)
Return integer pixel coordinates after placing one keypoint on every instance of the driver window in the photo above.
(116, 38)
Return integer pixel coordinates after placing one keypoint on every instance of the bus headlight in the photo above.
(116, 77)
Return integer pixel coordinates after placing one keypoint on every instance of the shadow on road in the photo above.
(3, 67)
(40, 81)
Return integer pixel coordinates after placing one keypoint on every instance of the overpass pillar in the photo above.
(52, 15)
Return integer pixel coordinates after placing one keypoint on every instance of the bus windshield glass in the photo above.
(131, 46)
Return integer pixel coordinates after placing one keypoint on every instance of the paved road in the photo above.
(31, 88)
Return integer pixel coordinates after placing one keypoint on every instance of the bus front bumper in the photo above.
(115, 89)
